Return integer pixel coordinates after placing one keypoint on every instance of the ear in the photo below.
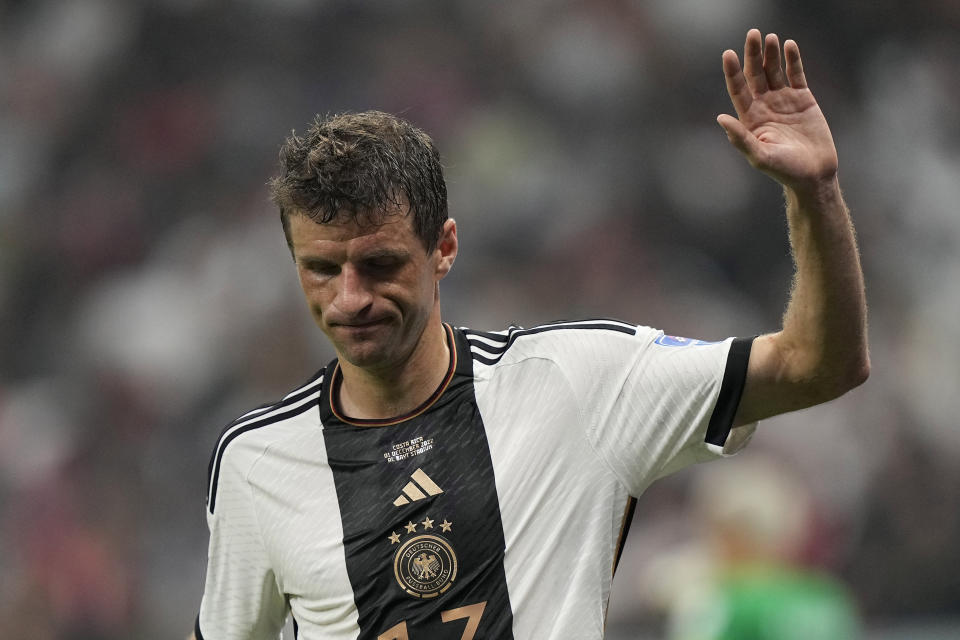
(446, 248)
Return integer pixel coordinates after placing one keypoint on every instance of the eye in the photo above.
(383, 264)
(321, 267)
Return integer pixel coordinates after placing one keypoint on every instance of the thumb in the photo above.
(745, 142)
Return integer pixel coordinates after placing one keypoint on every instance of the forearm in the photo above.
(821, 351)
(823, 343)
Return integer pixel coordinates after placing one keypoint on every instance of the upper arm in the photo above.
(241, 597)
(659, 403)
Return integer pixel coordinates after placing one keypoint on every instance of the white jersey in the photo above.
(495, 510)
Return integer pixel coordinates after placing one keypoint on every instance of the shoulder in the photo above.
(244, 439)
(552, 340)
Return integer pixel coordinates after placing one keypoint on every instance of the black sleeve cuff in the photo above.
(728, 400)
(196, 628)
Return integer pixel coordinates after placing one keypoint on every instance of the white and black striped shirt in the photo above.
(495, 510)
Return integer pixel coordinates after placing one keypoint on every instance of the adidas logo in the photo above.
(415, 489)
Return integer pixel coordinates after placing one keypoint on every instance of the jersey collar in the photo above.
(330, 412)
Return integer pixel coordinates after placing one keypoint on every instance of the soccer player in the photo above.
(438, 483)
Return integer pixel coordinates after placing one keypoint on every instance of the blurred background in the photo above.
(147, 297)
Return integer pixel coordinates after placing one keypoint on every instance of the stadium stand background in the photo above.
(146, 296)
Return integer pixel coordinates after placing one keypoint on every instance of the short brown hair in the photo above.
(361, 163)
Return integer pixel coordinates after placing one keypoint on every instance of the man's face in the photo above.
(371, 288)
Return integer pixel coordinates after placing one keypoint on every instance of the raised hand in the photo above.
(779, 126)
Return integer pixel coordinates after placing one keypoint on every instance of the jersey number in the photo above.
(471, 612)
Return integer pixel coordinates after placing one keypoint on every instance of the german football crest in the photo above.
(424, 565)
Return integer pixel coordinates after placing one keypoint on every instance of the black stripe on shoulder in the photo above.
(222, 445)
(586, 321)
(483, 346)
(252, 417)
(295, 396)
(731, 389)
(516, 332)
(600, 325)
(499, 337)
(486, 360)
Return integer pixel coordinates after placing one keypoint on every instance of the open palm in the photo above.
(779, 126)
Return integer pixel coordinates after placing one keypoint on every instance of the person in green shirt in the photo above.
(752, 586)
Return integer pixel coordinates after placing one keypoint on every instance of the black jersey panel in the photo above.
(421, 521)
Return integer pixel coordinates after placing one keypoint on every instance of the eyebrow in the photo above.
(374, 254)
(315, 260)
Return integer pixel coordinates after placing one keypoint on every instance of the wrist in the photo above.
(816, 195)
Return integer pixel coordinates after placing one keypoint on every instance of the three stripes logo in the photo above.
(419, 487)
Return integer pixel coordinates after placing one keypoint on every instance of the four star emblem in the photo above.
(411, 527)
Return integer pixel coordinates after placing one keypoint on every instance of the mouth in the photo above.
(360, 326)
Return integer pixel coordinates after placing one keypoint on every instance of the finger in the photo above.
(771, 62)
(753, 62)
(740, 95)
(794, 65)
(745, 142)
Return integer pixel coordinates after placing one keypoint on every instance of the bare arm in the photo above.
(821, 351)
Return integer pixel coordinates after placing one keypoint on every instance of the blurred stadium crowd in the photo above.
(147, 298)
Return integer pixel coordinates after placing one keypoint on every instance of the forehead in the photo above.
(344, 236)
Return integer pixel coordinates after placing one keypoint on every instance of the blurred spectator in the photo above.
(744, 578)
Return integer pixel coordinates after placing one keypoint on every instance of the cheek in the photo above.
(415, 292)
(314, 292)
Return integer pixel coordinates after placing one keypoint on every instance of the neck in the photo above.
(381, 394)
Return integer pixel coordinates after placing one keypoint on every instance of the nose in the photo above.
(353, 294)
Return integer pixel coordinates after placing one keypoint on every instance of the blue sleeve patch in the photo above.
(677, 341)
